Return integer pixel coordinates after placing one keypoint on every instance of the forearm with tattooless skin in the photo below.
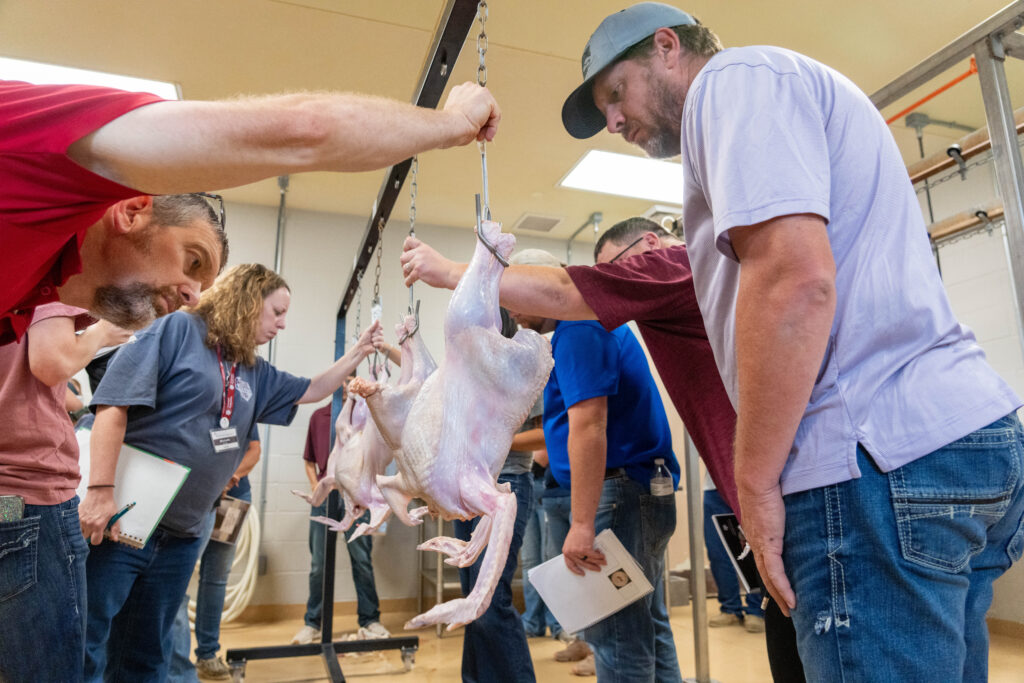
(784, 311)
(588, 455)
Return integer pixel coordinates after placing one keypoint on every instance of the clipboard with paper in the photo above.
(149, 481)
(581, 601)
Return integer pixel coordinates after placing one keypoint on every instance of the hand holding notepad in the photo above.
(148, 481)
(581, 601)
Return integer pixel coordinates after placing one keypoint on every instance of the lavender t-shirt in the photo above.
(767, 132)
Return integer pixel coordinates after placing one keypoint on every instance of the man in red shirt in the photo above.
(77, 164)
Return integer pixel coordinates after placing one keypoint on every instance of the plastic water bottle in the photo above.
(661, 482)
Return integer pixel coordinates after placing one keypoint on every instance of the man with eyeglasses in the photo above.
(605, 431)
(643, 275)
(80, 165)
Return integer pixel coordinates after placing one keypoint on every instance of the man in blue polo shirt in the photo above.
(604, 427)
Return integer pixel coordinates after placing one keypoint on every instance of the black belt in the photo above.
(614, 472)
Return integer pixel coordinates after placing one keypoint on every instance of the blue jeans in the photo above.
(494, 646)
(133, 598)
(536, 615)
(42, 594)
(359, 553)
(721, 566)
(635, 643)
(557, 512)
(180, 668)
(893, 571)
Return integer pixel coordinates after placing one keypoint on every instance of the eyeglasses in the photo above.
(632, 244)
(220, 203)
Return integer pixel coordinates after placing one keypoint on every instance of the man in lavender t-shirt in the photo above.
(860, 397)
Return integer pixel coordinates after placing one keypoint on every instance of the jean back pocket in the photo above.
(18, 550)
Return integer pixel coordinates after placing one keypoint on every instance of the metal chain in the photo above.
(481, 44)
(380, 252)
(973, 232)
(412, 197)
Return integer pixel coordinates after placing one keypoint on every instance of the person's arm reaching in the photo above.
(249, 460)
(588, 445)
(56, 353)
(177, 147)
(533, 290)
(784, 310)
(530, 440)
(104, 449)
(328, 381)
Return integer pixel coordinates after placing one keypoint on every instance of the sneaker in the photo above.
(724, 619)
(213, 668)
(753, 624)
(306, 635)
(585, 667)
(574, 652)
(373, 630)
(563, 637)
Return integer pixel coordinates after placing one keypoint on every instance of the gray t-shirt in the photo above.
(521, 462)
(171, 382)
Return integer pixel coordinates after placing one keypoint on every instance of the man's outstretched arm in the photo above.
(177, 147)
(531, 290)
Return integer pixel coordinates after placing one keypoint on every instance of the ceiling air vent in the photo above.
(536, 223)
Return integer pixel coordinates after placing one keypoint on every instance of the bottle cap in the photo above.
(659, 461)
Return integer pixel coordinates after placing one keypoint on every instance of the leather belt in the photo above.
(614, 472)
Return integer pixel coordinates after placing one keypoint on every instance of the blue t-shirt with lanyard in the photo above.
(591, 362)
(177, 393)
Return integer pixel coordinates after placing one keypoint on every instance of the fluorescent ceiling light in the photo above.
(51, 74)
(627, 176)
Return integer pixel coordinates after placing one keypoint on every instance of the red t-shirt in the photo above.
(655, 289)
(318, 440)
(38, 449)
(47, 201)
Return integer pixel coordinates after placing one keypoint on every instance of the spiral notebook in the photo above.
(149, 481)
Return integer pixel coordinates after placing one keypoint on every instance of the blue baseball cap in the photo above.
(616, 34)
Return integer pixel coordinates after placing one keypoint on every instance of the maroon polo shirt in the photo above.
(655, 289)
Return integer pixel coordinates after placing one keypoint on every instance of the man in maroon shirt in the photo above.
(643, 274)
(78, 165)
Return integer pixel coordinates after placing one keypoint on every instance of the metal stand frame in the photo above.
(990, 42)
(453, 29)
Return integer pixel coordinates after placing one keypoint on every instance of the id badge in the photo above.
(225, 439)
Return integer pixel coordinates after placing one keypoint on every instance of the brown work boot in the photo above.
(585, 667)
(753, 624)
(573, 652)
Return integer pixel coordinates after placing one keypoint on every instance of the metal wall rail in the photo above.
(943, 230)
(971, 145)
(457, 19)
(991, 42)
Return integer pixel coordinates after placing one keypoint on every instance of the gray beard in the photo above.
(130, 306)
(664, 143)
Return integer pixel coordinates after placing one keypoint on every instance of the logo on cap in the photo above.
(586, 60)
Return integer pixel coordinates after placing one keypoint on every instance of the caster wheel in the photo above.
(408, 658)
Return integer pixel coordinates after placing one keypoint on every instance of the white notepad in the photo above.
(151, 482)
(581, 601)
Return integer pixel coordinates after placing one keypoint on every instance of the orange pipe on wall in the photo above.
(973, 69)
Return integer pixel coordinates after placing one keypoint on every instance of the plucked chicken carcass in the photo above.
(360, 451)
(460, 427)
